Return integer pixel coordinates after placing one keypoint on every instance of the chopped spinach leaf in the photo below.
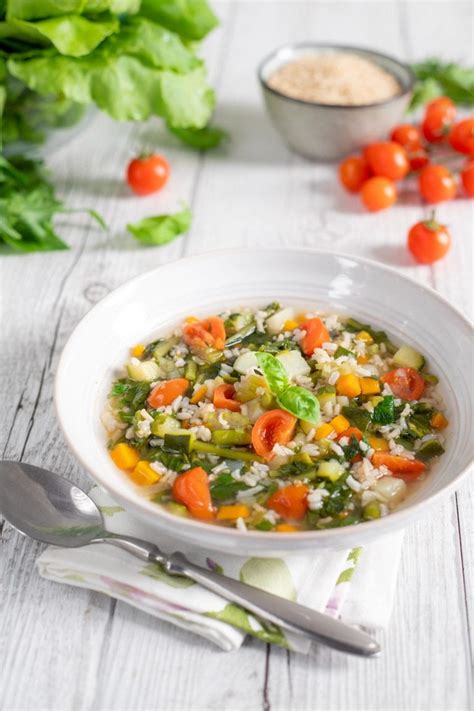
(384, 411)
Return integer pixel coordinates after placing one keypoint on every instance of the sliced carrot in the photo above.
(224, 398)
(400, 467)
(208, 333)
(168, 390)
(273, 427)
(290, 502)
(192, 490)
(316, 334)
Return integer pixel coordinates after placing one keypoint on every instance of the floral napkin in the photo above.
(357, 585)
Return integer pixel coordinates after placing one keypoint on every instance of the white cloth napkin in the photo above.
(358, 585)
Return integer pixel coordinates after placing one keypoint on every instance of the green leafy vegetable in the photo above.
(192, 19)
(225, 487)
(357, 417)
(299, 401)
(295, 468)
(384, 412)
(438, 78)
(201, 139)
(274, 372)
(27, 207)
(161, 229)
(352, 449)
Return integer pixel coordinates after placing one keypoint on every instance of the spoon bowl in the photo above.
(47, 507)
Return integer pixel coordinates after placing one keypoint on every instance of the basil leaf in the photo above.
(384, 412)
(274, 372)
(161, 229)
(301, 403)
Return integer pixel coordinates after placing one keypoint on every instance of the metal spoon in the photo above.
(48, 508)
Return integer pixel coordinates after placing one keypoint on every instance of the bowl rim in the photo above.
(397, 517)
(344, 48)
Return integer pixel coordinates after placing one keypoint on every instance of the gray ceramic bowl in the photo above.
(328, 132)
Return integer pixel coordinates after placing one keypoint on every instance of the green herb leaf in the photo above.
(202, 139)
(384, 412)
(436, 78)
(225, 487)
(357, 416)
(274, 372)
(161, 229)
(301, 403)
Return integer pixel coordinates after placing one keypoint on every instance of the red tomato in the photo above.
(387, 159)
(208, 333)
(148, 174)
(436, 184)
(192, 490)
(290, 501)
(273, 427)
(461, 137)
(429, 241)
(353, 172)
(316, 334)
(407, 469)
(406, 135)
(467, 178)
(224, 398)
(439, 116)
(378, 193)
(418, 157)
(405, 383)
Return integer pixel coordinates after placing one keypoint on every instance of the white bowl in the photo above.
(155, 301)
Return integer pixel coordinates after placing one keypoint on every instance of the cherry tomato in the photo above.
(378, 193)
(436, 183)
(353, 172)
(316, 334)
(461, 137)
(429, 241)
(405, 383)
(387, 159)
(406, 135)
(273, 427)
(192, 490)
(208, 333)
(439, 117)
(147, 174)
(467, 178)
(290, 502)
(418, 157)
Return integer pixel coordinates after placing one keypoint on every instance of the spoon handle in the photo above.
(285, 613)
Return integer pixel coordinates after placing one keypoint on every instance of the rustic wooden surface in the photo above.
(63, 648)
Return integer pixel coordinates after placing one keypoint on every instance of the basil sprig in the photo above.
(292, 398)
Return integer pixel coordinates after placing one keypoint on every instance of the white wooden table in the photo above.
(63, 648)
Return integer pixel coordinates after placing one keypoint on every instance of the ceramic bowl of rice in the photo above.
(327, 101)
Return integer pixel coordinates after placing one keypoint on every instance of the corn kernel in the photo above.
(285, 528)
(198, 395)
(290, 325)
(369, 386)
(340, 423)
(124, 456)
(143, 474)
(348, 385)
(378, 443)
(137, 351)
(323, 431)
(364, 336)
(439, 421)
(362, 359)
(233, 512)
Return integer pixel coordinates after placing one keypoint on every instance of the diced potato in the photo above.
(391, 490)
(324, 431)
(294, 363)
(245, 362)
(276, 323)
(145, 371)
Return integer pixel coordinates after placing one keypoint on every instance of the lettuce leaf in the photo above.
(143, 71)
(161, 229)
(72, 35)
(40, 9)
(192, 19)
(202, 139)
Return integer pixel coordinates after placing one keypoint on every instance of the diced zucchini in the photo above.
(431, 379)
(245, 362)
(275, 323)
(407, 357)
(226, 438)
(144, 371)
(331, 470)
(236, 322)
(391, 489)
(176, 509)
(191, 371)
(372, 510)
(429, 449)
(294, 363)
(248, 386)
(306, 426)
(326, 394)
(162, 348)
(180, 441)
(164, 425)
